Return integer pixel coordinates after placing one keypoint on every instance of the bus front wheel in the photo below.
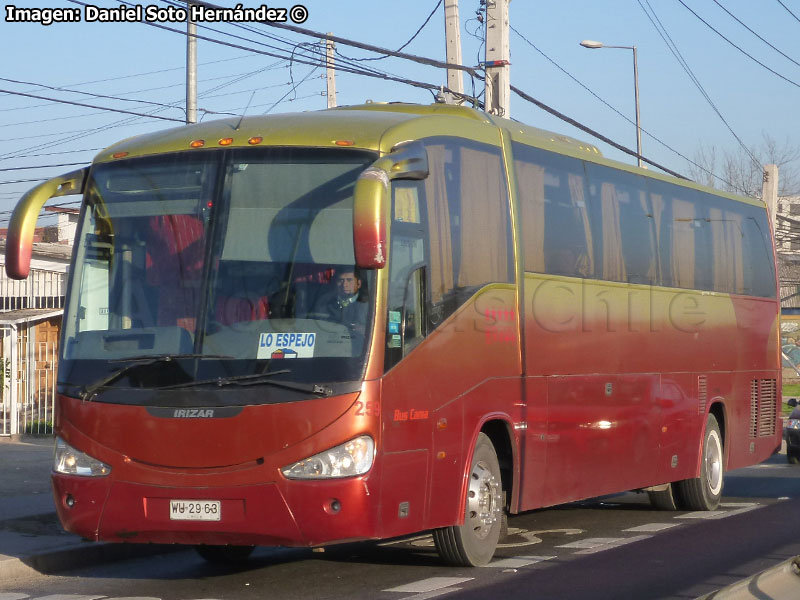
(473, 543)
(704, 492)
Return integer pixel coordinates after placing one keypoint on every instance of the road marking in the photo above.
(652, 527)
(516, 562)
(702, 514)
(434, 594)
(71, 597)
(532, 537)
(12, 596)
(616, 544)
(429, 585)
(591, 543)
(739, 508)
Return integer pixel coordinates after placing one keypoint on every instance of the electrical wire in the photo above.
(92, 94)
(585, 87)
(591, 131)
(767, 42)
(419, 84)
(411, 39)
(42, 166)
(789, 11)
(662, 31)
(750, 56)
(115, 110)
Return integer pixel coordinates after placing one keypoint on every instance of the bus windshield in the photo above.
(218, 265)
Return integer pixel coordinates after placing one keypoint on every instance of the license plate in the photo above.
(195, 510)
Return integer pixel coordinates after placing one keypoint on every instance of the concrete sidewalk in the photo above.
(31, 538)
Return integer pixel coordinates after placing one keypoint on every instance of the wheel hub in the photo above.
(483, 500)
(713, 464)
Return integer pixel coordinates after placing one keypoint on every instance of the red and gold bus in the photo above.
(525, 324)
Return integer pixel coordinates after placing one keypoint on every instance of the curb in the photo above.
(781, 582)
(27, 438)
(77, 557)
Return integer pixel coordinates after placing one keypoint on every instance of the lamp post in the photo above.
(591, 44)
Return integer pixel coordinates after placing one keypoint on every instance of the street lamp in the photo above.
(591, 44)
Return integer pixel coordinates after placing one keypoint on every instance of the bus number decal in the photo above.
(371, 408)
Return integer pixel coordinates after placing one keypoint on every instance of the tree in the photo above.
(736, 170)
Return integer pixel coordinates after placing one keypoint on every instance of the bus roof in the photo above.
(376, 126)
(368, 126)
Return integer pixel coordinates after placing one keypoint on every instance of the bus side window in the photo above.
(626, 222)
(557, 231)
(408, 253)
(413, 317)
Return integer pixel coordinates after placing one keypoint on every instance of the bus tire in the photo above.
(665, 499)
(704, 492)
(473, 543)
(224, 555)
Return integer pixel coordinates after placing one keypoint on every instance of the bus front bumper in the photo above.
(283, 513)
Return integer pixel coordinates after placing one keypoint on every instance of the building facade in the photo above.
(31, 312)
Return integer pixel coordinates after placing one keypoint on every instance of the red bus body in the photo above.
(585, 387)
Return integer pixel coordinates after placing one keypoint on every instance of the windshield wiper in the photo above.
(257, 379)
(89, 391)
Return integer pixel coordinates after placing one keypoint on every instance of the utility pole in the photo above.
(497, 65)
(769, 193)
(452, 32)
(191, 66)
(329, 63)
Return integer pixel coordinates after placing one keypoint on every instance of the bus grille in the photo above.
(763, 407)
(702, 394)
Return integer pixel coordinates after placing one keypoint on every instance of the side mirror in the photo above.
(371, 200)
(19, 241)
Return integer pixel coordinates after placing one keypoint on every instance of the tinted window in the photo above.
(468, 217)
(557, 233)
(619, 226)
(625, 220)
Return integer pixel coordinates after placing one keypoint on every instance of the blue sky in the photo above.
(141, 62)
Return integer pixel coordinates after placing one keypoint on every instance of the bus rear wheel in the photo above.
(704, 492)
(473, 543)
(225, 555)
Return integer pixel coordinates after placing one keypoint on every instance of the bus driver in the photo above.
(348, 304)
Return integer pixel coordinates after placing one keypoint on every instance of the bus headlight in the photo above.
(347, 460)
(70, 461)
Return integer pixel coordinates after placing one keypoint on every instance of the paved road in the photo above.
(611, 548)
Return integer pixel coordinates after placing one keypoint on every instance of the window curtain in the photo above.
(584, 265)
(657, 203)
(613, 264)
(484, 216)
(530, 184)
(726, 239)
(441, 247)
(652, 273)
(682, 243)
(734, 233)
